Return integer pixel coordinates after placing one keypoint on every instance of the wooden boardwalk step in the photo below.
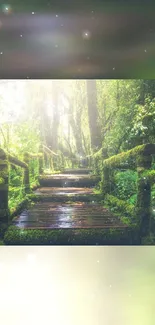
(64, 191)
(65, 194)
(62, 215)
(71, 180)
(77, 171)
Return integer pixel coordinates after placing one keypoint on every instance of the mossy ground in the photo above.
(15, 236)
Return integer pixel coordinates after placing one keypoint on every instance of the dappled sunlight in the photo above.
(97, 136)
(12, 100)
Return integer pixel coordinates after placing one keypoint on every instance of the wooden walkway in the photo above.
(67, 215)
(67, 207)
(69, 180)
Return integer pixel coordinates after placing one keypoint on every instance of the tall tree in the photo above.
(95, 134)
(56, 116)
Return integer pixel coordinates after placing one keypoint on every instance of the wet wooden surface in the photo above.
(62, 215)
(64, 191)
(55, 211)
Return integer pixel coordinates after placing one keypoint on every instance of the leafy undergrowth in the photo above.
(97, 191)
(17, 196)
(16, 189)
(125, 184)
(16, 236)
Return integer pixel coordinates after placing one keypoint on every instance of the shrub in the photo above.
(125, 184)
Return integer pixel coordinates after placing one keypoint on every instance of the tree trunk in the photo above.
(56, 118)
(93, 114)
(76, 129)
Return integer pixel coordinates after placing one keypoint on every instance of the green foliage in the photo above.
(117, 205)
(132, 200)
(126, 110)
(2, 181)
(15, 236)
(150, 176)
(125, 184)
(34, 170)
(144, 126)
(16, 188)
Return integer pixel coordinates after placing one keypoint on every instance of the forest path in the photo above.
(67, 201)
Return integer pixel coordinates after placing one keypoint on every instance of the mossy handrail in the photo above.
(5, 160)
(55, 159)
(140, 159)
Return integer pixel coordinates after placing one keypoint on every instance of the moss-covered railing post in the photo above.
(105, 182)
(143, 204)
(26, 180)
(105, 178)
(4, 187)
(139, 158)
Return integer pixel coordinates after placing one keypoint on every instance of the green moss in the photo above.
(105, 182)
(97, 165)
(98, 158)
(2, 181)
(16, 236)
(149, 175)
(33, 155)
(143, 204)
(97, 191)
(120, 205)
(4, 174)
(3, 162)
(39, 155)
(98, 154)
(18, 208)
(102, 153)
(127, 157)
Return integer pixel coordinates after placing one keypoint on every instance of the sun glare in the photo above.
(12, 100)
(62, 107)
(13, 95)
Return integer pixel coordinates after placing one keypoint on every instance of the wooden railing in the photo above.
(5, 160)
(56, 162)
(140, 160)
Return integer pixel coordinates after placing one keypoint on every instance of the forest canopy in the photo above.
(76, 117)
